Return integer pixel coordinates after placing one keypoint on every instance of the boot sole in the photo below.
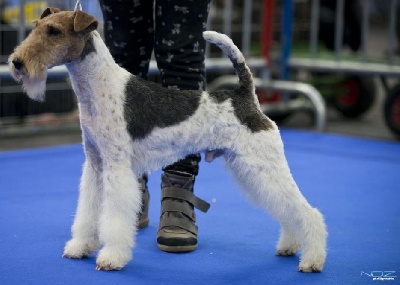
(175, 249)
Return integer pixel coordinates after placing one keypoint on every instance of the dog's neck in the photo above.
(95, 70)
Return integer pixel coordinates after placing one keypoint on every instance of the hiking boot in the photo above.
(177, 231)
(144, 212)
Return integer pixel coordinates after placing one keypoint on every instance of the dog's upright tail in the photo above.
(236, 57)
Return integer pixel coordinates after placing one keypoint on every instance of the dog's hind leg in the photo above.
(119, 216)
(259, 165)
(85, 238)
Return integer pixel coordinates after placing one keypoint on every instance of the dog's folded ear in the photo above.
(84, 21)
(48, 11)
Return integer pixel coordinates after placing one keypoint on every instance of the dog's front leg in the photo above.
(118, 220)
(85, 237)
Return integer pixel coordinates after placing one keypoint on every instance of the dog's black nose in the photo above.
(17, 64)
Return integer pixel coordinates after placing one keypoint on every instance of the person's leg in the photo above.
(180, 51)
(179, 44)
(129, 35)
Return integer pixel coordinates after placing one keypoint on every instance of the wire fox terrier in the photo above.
(131, 126)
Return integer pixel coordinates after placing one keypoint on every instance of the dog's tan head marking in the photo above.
(59, 37)
(48, 11)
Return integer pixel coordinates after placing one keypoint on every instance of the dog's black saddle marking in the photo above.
(148, 105)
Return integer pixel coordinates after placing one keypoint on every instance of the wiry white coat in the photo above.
(256, 160)
(110, 198)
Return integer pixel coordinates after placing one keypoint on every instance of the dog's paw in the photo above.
(78, 249)
(105, 266)
(112, 259)
(288, 243)
(306, 267)
(287, 246)
(312, 260)
(287, 251)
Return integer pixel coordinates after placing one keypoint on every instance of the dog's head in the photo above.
(57, 38)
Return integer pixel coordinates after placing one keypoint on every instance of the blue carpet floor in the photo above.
(354, 182)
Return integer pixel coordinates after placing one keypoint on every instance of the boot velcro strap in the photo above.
(182, 223)
(177, 206)
(186, 195)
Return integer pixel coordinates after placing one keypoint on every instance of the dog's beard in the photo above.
(35, 88)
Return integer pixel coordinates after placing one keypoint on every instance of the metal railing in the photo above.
(385, 66)
(366, 49)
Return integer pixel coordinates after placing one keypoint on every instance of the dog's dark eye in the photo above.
(53, 31)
